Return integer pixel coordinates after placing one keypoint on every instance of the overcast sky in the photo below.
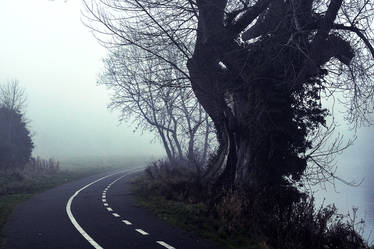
(56, 59)
(46, 47)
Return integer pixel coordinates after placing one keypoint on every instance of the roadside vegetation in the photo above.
(244, 219)
(253, 84)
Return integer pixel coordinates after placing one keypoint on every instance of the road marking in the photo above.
(127, 222)
(165, 245)
(109, 209)
(74, 221)
(141, 232)
(104, 200)
(71, 216)
(116, 215)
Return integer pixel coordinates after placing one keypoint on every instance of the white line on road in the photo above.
(116, 215)
(71, 216)
(127, 222)
(105, 204)
(165, 245)
(141, 232)
(109, 209)
(104, 200)
(74, 221)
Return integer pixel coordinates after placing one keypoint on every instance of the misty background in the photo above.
(55, 58)
(57, 61)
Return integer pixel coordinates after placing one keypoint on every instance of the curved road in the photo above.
(94, 212)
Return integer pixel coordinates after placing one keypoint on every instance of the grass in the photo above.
(7, 204)
(18, 186)
(191, 217)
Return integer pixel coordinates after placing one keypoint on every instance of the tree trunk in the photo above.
(165, 144)
(258, 138)
(251, 103)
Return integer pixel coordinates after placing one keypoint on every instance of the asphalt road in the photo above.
(94, 212)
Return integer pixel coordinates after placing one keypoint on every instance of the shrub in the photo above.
(260, 215)
(28, 178)
(179, 180)
(15, 139)
(299, 225)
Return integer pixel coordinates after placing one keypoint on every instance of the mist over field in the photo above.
(57, 61)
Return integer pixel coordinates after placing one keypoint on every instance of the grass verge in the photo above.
(194, 218)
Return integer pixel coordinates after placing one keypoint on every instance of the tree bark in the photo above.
(262, 96)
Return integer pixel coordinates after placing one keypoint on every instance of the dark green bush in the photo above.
(15, 139)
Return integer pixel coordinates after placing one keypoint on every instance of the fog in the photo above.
(55, 58)
(57, 61)
(354, 164)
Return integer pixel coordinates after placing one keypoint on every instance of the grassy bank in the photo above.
(192, 217)
(244, 218)
(19, 185)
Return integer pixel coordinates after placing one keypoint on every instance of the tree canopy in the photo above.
(15, 139)
(259, 69)
(172, 114)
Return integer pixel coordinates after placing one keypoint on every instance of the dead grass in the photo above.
(246, 218)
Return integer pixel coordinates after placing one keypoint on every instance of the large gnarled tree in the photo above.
(258, 68)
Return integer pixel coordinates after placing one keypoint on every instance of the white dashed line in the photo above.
(109, 209)
(116, 215)
(104, 200)
(106, 204)
(141, 232)
(74, 221)
(127, 222)
(165, 245)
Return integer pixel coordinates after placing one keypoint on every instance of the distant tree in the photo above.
(173, 114)
(12, 96)
(15, 139)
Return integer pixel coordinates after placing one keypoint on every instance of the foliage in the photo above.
(15, 139)
(258, 68)
(241, 219)
(179, 180)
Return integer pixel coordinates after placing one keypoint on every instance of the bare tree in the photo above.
(12, 96)
(258, 68)
(174, 114)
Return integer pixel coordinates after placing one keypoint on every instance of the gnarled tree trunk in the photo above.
(262, 96)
